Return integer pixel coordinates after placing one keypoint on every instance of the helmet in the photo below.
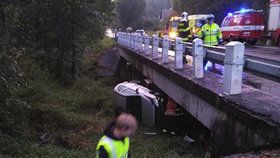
(184, 16)
(210, 16)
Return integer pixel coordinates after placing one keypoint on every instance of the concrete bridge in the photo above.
(239, 117)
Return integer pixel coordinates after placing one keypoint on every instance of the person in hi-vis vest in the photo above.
(115, 142)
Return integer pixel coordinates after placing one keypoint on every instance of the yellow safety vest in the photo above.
(211, 34)
(196, 31)
(184, 32)
(114, 148)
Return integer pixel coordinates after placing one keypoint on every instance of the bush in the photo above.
(152, 24)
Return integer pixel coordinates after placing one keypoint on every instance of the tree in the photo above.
(55, 33)
(50, 33)
(130, 11)
(154, 7)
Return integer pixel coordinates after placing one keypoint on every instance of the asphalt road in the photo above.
(265, 53)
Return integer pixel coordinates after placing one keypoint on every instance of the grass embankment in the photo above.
(68, 122)
(59, 121)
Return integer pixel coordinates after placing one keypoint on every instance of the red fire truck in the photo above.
(274, 20)
(246, 25)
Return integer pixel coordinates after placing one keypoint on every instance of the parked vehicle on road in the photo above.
(246, 25)
(142, 32)
(274, 20)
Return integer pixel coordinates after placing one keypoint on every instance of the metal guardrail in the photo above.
(232, 56)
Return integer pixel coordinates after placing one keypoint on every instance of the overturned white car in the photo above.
(138, 101)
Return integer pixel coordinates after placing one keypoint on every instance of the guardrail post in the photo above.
(165, 49)
(126, 39)
(137, 47)
(198, 54)
(155, 47)
(141, 50)
(118, 37)
(234, 61)
(133, 41)
(122, 39)
(179, 53)
(130, 41)
(147, 45)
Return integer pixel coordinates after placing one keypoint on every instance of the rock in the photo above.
(108, 63)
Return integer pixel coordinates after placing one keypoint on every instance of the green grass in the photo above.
(73, 119)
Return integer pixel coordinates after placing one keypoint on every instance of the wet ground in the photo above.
(274, 153)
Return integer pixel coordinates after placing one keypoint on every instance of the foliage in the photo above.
(130, 11)
(66, 117)
(149, 24)
(39, 39)
(54, 33)
(154, 8)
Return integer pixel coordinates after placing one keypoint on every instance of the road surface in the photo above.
(271, 54)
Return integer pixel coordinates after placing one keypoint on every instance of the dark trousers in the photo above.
(170, 123)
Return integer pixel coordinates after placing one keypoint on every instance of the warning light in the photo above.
(230, 14)
(243, 10)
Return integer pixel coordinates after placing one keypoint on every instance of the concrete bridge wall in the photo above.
(233, 127)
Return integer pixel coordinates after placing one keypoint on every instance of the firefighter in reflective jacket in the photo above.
(115, 142)
(196, 31)
(184, 29)
(211, 32)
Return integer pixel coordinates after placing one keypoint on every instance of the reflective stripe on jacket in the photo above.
(114, 148)
(211, 34)
(184, 31)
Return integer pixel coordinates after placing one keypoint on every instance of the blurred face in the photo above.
(126, 125)
(128, 131)
(210, 20)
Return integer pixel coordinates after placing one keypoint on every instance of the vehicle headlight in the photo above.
(172, 35)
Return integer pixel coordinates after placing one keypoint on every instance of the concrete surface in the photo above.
(238, 123)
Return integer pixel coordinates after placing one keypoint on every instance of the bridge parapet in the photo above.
(239, 120)
(233, 60)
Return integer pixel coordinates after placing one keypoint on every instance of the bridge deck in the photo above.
(258, 110)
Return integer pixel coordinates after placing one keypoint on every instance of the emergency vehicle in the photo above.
(172, 27)
(274, 20)
(195, 19)
(246, 25)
